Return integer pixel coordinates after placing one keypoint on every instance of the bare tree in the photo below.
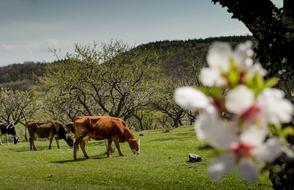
(16, 106)
(102, 81)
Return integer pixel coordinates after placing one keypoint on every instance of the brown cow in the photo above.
(50, 130)
(103, 127)
(70, 127)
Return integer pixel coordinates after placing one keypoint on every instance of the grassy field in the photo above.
(162, 164)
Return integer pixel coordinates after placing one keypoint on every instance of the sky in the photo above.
(29, 29)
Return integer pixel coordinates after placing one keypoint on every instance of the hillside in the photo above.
(21, 76)
(171, 54)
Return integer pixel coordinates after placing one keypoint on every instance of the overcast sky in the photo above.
(29, 28)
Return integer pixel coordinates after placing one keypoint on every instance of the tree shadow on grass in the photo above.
(180, 138)
(97, 157)
(186, 134)
(27, 149)
(68, 161)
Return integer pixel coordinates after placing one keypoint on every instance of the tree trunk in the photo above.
(140, 121)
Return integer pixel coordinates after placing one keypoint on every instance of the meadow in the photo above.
(162, 164)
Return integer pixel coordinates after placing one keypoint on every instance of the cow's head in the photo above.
(69, 139)
(135, 146)
(66, 135)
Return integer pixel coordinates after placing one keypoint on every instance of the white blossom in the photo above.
(219, 55)
(247, 170)
(240, 149)
(191, 99)
(212, 129)
(211, 77)
(221, 58)
(257, 69)
(243, 56)
(239, 99)
(269, 107)
(275, 108)
(242, 136)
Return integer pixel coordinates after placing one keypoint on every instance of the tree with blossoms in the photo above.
(240, 113)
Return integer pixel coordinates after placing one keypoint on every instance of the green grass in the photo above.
(162, 164)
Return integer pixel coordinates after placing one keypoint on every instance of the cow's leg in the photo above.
(7, 138)
(32, 144)
(116, 141)
(108, 151)
(76, 147)
(111, 148)
(15, 139)
(50, 142)
(0, 139)
(83, 144)
(57, 143)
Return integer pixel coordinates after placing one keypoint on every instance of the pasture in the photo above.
(162, 164)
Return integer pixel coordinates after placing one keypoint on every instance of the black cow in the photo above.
(8, 129)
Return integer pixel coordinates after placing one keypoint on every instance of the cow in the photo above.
(103, 127)
(50, 130)
(70, 127)
(8, 129)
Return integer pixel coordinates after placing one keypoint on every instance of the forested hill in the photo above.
(166, 44)
(21, 76)
(171, 54)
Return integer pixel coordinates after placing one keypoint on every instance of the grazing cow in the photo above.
(8, 129)
(103, 127)
(70, 127)
(50, 130)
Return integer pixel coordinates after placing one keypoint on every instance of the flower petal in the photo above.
(190, 98)
(254, 135)
(219, 55)
(275, 108)
(257, 69)
(270, 151)
(211, 77)
(214, 131)
(220, 166)
(247, 170)
(243, 56)
(239, 99)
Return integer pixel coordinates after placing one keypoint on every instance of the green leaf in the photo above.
(233, 78)
(271, 82)
(287, 131)
(256, 83)
(212, 91)
(249, 82)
